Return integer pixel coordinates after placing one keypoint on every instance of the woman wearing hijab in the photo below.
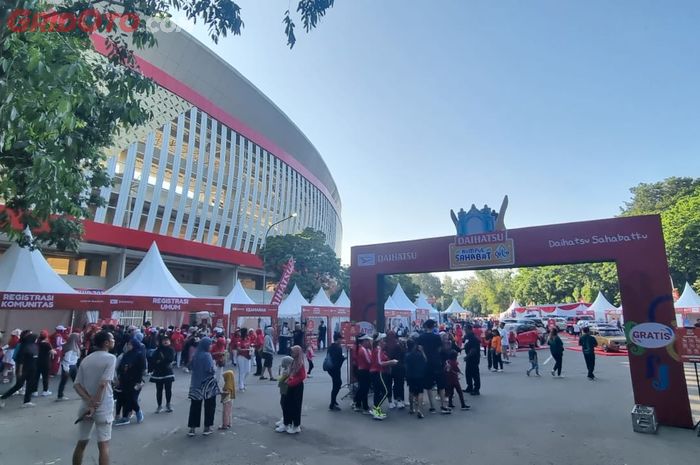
(26, 356)
(69, 362)
(295, 391)
(162, 363)
(203, 388)
(243, 359)
(130, 375)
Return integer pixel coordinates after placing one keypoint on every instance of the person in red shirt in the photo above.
(218, 349)
(233, 346)
(295, 391)
(363, 359)
(178, 343)
(243, 359)
(453, 372)
(258, 346)
(379, 370)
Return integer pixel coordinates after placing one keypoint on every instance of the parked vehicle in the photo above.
(559, 322)
(610, 339)
(525, 334)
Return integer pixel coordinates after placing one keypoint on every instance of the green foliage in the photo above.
(429, 284)
(407, 284)
(681, 223)
(60, 107)
(659, 196)
(60, 111)
(489, 291)
(566, 283)
(316, 264)
(342, 283)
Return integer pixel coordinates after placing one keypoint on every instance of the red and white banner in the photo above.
(241, 313)
(284, 281)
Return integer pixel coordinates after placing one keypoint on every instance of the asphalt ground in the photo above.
(517, 420)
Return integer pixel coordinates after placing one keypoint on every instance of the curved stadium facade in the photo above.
(215, 167)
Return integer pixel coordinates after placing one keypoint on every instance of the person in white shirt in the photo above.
(93, 384)
(505, 346)
(69, 363)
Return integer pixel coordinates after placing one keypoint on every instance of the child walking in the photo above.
(497, 351)
(532, 356)
(453, 372)
(310, 359)
(228, 393)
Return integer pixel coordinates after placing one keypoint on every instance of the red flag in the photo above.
(284, 280)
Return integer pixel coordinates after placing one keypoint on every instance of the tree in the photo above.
(681, 223)
(429, 284)
(566, 283)
(489, 291)
(659, 196)
(342, 283)
(316, 265)
(60, 106)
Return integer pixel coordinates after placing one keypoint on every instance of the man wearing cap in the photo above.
(335, 355)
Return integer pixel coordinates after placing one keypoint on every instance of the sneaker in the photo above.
(450, 406)
(281, 428)
(62, 398)
(279, 422)
(158, 410)
(410, 411)
(273, 379)
(432, 410)
(445, 410)
(207, 431)
(2, 404)
(355, 408)
(190, 433)
(377, 414)
(499, 371)
(392, 405)
(262, 378)
(34, 394)
(294, 430)
(335, 408)
(187, 371)
(122, 421)
(420, 415)
(400, 405)
(527, 373)
(139, 416)
(466, 407)
(552, 372)
(537, 374)
(367, 412)
(168, 409)
(28, 405)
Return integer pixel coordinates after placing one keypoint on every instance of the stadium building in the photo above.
(205, 178)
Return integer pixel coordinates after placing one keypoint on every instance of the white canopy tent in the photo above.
(687, 307)
(423, 304)
(454, 309)
(603, 308)
(291, 306)
(237, 295)
(24, 270)
(391, 304)
(151, 278)
(321, 299)
(402, 300)
(343, 301)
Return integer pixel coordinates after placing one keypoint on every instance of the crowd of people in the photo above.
(110, 365)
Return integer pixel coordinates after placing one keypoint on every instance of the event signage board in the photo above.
(44, 301)
(688, 344)
(651, 335)
(482, 250)
(349, 331)
(165, 304)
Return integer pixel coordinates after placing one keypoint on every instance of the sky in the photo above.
(422, 107)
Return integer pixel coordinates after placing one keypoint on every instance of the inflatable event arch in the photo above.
(634, 244)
